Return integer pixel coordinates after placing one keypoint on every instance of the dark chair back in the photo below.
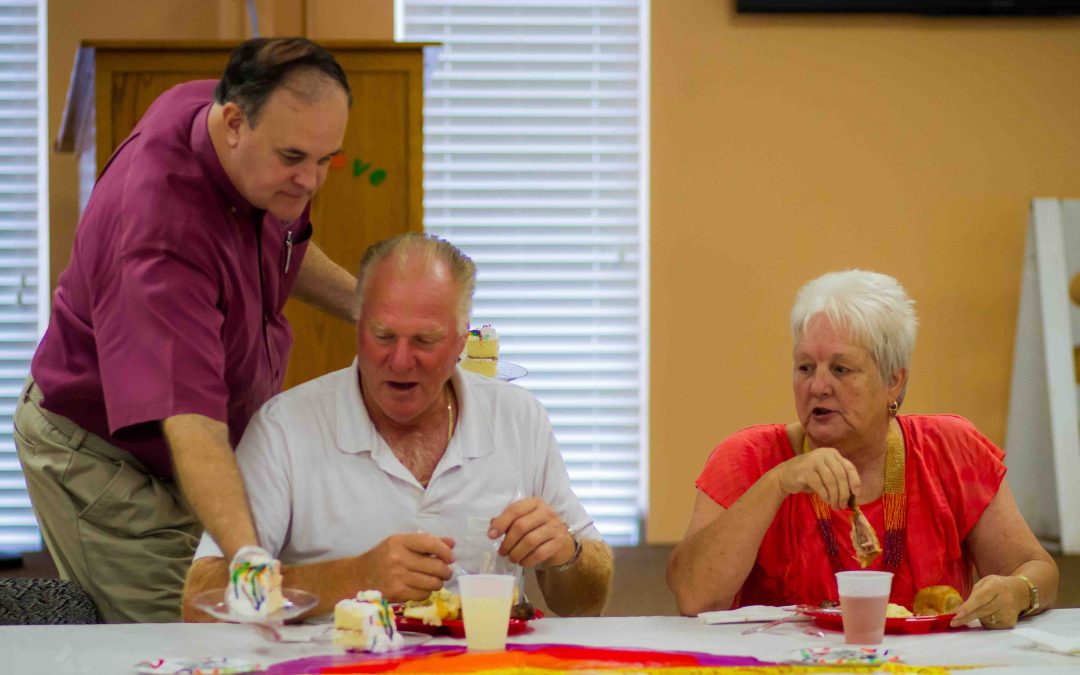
(25, 601)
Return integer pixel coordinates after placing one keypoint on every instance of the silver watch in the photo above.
(573, 557)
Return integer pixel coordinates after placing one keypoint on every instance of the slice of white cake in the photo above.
(367, 623)
(254, 586)
(482, 351)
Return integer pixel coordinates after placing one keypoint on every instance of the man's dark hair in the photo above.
(259, 66)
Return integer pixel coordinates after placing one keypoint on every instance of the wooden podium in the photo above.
(373, 191)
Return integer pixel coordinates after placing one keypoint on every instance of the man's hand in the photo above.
(408, 566)
(825, 472)
(534, 534)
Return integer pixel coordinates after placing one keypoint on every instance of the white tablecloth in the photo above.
(110, 649)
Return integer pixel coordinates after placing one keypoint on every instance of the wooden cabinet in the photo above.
(373, 191)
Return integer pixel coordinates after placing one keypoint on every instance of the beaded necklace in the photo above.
(894, 501)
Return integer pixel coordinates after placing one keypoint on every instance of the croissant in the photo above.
(936, 600)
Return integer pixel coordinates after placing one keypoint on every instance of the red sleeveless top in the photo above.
(951, 474)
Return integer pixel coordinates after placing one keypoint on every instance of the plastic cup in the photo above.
(864, 599)
(480, 555)
(485, 604)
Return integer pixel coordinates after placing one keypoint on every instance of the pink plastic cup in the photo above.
(864, 599)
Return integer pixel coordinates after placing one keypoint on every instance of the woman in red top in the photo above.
(771, 523)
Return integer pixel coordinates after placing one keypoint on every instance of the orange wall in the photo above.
(70, 21)
(787, 146)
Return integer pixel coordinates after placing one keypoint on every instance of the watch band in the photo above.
(1033, 595)
(573, 557)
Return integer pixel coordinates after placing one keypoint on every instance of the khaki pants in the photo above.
(125, 536)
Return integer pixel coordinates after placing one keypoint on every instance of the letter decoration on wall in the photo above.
(359, 167)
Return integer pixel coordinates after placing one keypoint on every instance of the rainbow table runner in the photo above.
(547, 659)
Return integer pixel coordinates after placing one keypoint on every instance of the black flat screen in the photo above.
(939, 7)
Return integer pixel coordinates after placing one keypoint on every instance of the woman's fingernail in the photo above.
(492, 533)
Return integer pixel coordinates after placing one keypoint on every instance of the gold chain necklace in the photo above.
(449, 428)
(450, 415)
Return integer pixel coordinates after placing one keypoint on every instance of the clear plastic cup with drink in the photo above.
(485, 606)
(864, 599)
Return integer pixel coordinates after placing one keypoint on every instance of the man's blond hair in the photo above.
(413, 253)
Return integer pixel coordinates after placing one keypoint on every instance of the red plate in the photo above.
(456, 627)
(915, 625)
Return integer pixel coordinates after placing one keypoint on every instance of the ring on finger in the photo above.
(993, 619)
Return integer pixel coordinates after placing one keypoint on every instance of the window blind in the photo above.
(534, 149)
(21, 130)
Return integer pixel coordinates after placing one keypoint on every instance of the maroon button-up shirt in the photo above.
(172, 302)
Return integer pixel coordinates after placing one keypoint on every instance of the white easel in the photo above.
(1042, 445)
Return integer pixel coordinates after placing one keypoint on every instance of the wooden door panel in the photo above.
(364, 200)
(133, 93)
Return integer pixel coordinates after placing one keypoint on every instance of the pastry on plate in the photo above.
(936, 600)
(441, 605)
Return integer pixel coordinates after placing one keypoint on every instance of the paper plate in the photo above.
(456, 627)
(914, 625)
(199, 666)
(846, 656)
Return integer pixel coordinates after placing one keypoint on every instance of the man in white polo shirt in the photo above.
(388, 473)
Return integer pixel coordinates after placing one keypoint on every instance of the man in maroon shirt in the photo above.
(167, 333)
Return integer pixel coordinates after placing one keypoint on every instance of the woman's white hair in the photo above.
(872, 307)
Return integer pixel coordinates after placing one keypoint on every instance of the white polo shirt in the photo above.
(323, 484)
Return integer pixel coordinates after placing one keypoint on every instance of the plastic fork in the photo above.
(766, 626)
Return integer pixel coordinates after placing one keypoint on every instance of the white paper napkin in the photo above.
(1051, 642)
(748, 614)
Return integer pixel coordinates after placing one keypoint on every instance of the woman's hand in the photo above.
(996, 601)
(823, 471)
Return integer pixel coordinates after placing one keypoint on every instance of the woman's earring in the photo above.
(894, 407)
